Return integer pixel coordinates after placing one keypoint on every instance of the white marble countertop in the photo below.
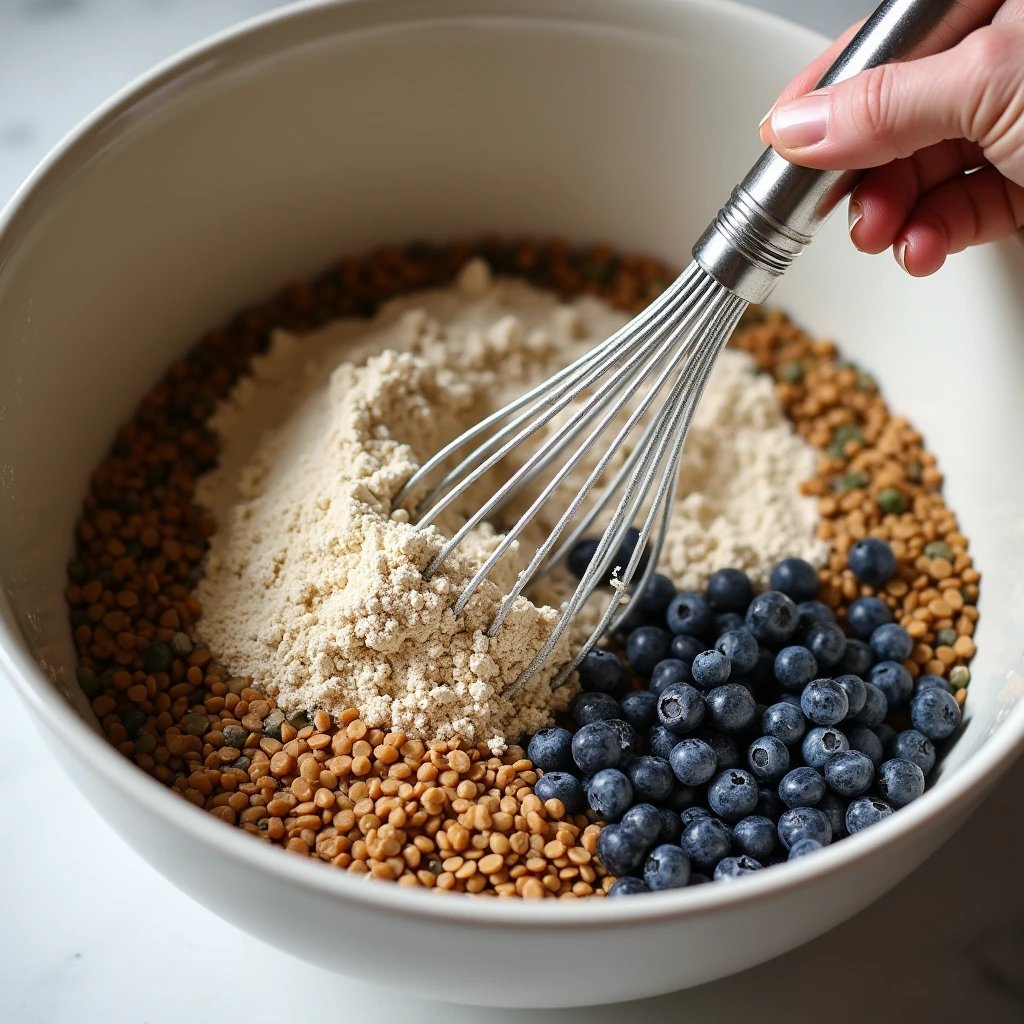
(90, 933)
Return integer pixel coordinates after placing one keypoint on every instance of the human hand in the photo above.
(943, 136)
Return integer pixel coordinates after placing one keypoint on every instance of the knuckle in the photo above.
(877, 101)
(993, 93)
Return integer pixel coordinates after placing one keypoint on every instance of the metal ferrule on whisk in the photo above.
(779, 207)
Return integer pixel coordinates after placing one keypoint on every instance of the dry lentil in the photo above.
(317, 787)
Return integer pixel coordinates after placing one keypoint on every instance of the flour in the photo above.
(314, 584)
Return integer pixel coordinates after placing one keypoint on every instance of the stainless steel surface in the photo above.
(779, 207)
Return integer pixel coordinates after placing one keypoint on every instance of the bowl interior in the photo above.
(370, 123)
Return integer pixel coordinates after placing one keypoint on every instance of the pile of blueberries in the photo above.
(759, 732)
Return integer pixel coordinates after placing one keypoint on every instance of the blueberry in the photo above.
(740, 648)
(624, 627)
(927, 682)
(640, 709)
(625, 552)
(804, 822)
(680, 708)
(730, 590)
(824, 702)
(793, 699)
(857, 659)
(647, 646)
(671, 826)
(731, 708)
(595, 747)
(726, 622)
(727, 750)
(627, 885)
(698, 878)
(645, 820)
(656, 596)
(872, 561)
(885, 734)
(691, 814)
(768, 803)
(785, 722)
(796, 579)
(627, 739)
(894, 681)
(876, 706)
(733, 794)
(689, 613)
(704, 840)
(827, 642)
(900, 782)
(911, 745)
(660, 741)
(834, 808)
(763, 673)
(579, 559)
(755, 836)
(868, 810)
(865, 615)
(795, 667)
(620, 850)
(693, 762)
(772, 618)
(935, 713)
(667, 672)
(811, 612)
(804, 846)
(710, 669)
(550, 750)
(863, 739)
(603, 672)
(729, 868)
(891, 643)
(856, 693)
(561, 786)
(686, 648)
(801, 787)
(595, 707)
(850, 773)
(651, 778)
(768, 758)
(667, 867)
(821, 743)
(609, 794)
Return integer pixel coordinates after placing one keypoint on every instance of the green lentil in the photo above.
(792, 371)
(297, 718)
(243, 762)
(272, 724)
(892, 500)
(77, 571)
(960, 676)
(133, 720)
(194, 724)
(181, 645)
(145, 743)
(235, 736)
(850, 482)
(157, 657)
(847, 432)
(938, 549)
(945, 637)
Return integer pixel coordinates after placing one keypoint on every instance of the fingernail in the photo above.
(855, 214)
(760, 124)
(900, 252)
(802, 122)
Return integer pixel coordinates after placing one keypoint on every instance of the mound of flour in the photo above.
(314, 586)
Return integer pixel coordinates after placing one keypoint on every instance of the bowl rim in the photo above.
(227, 51)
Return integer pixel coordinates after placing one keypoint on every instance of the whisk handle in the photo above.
(779, 207)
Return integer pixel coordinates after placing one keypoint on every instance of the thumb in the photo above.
(974, 91)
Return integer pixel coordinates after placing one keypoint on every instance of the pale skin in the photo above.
(942, 137)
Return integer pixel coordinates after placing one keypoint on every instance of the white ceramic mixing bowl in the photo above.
(331, 128)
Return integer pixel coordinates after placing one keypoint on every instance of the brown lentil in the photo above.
(868, 456)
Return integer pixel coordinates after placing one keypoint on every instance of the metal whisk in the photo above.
(653, 370)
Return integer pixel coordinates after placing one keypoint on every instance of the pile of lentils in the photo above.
(751, 730)
(293, 777)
